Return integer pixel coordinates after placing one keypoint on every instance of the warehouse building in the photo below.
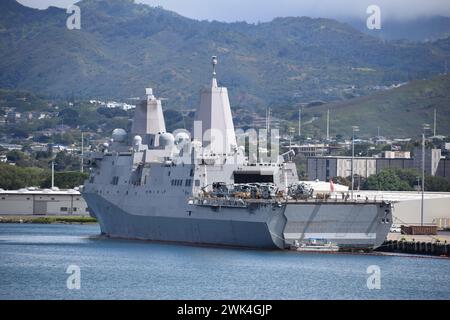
(325, 168)
(34, 201)
(443, 169)
(407, 207)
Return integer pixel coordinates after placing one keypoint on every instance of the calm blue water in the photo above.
(34, 259)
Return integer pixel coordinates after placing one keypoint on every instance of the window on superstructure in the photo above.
(115, 180)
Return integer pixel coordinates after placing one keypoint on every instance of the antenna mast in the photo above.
(214, 64)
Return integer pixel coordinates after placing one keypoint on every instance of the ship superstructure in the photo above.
(202, 188)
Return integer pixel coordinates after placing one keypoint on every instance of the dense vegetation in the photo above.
(398, 112)
(123, 47)
(428, 28)
(396, 179)
(14, 177)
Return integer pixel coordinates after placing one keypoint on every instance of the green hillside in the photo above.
(399, 112)
(123, 47)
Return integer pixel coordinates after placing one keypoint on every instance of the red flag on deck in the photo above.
(331, 185)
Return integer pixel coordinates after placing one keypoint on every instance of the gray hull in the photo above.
(351, 225)
(263, 226)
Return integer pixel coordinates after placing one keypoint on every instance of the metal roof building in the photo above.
(32, 201)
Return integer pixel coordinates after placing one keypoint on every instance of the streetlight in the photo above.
(425, 127)
(354, 129)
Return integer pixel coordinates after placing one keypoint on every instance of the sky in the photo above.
(266, 10)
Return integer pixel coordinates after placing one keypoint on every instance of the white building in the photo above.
(407, 209)
(33, 201)
(395, 154)
(325, 168)
(120, 105)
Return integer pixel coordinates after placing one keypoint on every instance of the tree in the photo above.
(408, 175)
(66, 180)
(387, 180)
(66, 161)
(13, 177)
(69, 116)
(343, 181)
(20, 133)
(112, 112)
(437, 184)
(64, 139)
(15, 155)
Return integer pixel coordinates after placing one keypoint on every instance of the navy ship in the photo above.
(203, 188)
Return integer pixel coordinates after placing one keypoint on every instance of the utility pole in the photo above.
(267, 119)
(354, 129)
(82, 152)
(53, 173)
(425, 127)
(291, 135)
(423, 177)
(299, 121)
(434, 127)
(328, 125)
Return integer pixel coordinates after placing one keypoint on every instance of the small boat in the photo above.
(315, 245)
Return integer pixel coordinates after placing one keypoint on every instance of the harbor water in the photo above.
(35, 261)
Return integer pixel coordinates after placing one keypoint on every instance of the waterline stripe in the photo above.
(330, 235)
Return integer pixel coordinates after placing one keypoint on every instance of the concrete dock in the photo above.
(438, 245)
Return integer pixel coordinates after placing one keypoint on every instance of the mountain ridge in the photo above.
(123, 47)
(399, 112)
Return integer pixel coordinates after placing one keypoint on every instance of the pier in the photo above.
(438, 245)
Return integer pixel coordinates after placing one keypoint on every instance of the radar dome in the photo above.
(119, 135)
(137, 140)
(182, 137)
(166, 139)
(196, 144)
